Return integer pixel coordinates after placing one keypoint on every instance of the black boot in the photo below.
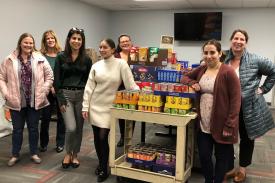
(102, 176)
(98, 170)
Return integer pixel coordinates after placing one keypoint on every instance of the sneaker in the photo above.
(13, 161)
(59, 149)
(35, 158)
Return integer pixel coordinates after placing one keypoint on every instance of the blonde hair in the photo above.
(44, 47)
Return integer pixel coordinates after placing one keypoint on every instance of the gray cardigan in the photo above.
(256, 113)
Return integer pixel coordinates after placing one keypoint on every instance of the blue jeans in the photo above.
(31, 116)
(46, 114)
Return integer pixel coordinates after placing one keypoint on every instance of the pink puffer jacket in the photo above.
(10, 84)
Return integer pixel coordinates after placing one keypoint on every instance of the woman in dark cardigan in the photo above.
(219, 105)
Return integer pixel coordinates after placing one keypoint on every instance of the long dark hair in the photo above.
(118, 48)
(218, 46)
(68, 49)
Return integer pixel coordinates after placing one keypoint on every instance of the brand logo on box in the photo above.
(142, 69)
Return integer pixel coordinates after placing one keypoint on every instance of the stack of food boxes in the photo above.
(165, 161)
(177, 105)
(152, 157)
(126, 99)
(142, 156)
(150, 102)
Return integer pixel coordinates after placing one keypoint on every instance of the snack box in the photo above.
(164, 169)
(144, 73)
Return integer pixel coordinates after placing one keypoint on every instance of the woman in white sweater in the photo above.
(103, 82)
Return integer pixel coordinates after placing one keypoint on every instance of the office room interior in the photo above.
(144, 21)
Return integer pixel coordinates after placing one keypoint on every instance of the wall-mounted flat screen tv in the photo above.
(198, 26)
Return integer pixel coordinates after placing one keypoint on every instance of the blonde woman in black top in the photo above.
(50, 47)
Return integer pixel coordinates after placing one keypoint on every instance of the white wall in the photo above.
(146, 27)
(36, 16)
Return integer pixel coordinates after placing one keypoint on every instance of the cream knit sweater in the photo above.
(105, 77)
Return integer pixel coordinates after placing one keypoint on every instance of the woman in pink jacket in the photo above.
(25, 80)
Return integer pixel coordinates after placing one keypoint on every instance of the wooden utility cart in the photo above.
(184, 148)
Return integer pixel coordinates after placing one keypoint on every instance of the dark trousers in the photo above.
(121, 123)
(246, 144)
(102, 146)
(31, 117)
(46, 114)
(224, 155)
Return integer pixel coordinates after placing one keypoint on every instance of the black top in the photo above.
(70, 74)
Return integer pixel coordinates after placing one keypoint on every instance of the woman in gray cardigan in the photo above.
(255, 116)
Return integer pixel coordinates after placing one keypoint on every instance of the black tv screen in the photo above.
(198, 26)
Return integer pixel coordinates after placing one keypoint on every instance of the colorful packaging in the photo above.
(132, 106)
(153, 53)
(191, 90)
(178, 88)
(142, 54)
(174, 111)
(157, 87)
(183, 101)
(171, 87)
(185, 89)
(182, 112)
(164, 87)
(166, 110)
(171, 99)
(134, 54)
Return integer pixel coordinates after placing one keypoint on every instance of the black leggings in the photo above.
(246, 144)
(101, 146)
(122, 127)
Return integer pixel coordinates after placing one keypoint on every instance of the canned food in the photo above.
(130, 154)
(191, 90)
(166, 110)
(178, 88)
(184, 89)
(163, 86)
(157, 87)
(168, 157)
(174, 111)
(170, 87)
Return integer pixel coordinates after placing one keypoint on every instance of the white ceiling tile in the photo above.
(203, 3)
(255, 3)
(229, 3)
(118, 5)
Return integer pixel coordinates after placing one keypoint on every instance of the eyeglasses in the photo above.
(75, 29)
